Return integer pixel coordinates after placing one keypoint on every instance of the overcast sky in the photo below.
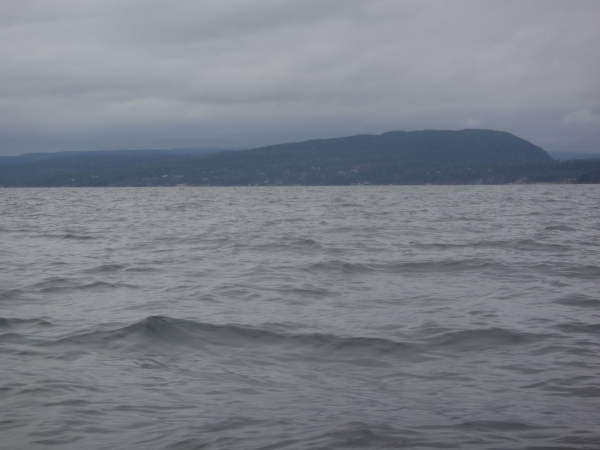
(130, 74)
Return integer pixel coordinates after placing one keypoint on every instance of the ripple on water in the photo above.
(300, 318)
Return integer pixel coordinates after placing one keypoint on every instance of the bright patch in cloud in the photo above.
(582, 117)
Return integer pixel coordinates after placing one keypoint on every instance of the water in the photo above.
(300, 318)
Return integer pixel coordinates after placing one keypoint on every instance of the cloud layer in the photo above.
(107, 74)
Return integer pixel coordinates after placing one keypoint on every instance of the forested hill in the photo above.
(413, 147)
(418, 157)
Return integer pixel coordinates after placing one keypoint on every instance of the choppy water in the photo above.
(300, 318)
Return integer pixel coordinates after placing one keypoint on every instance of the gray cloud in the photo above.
(106, 74)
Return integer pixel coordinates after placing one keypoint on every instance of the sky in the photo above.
(142, 74)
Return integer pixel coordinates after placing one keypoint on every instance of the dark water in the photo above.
(300, 318)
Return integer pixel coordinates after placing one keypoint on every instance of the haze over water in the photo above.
(300, 318)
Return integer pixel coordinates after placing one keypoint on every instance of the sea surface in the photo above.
(425, 317)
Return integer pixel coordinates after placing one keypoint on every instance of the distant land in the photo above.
(417, 157)
(35, 157)
(566, 156)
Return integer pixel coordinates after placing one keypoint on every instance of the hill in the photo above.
(35, 157)
(414, 147)
(418, 157)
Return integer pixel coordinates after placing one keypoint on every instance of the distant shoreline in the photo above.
(430, 157)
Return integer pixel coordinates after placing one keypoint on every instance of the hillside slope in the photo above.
(413, 147)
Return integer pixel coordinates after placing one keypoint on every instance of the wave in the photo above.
(183, 332)
(15, 322)
(106, 268)
(19, 331)
(509, 244)
(560, 228)
(580, 300)
(77, 237)
(584, 272)
(283, 244)
(340, 266)
(572, 270)
(483, 339)
(157, 332)
(578, 327)
(495, 425)
(66, 284)
(10, 294)
(574, 386)
(442, 266)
